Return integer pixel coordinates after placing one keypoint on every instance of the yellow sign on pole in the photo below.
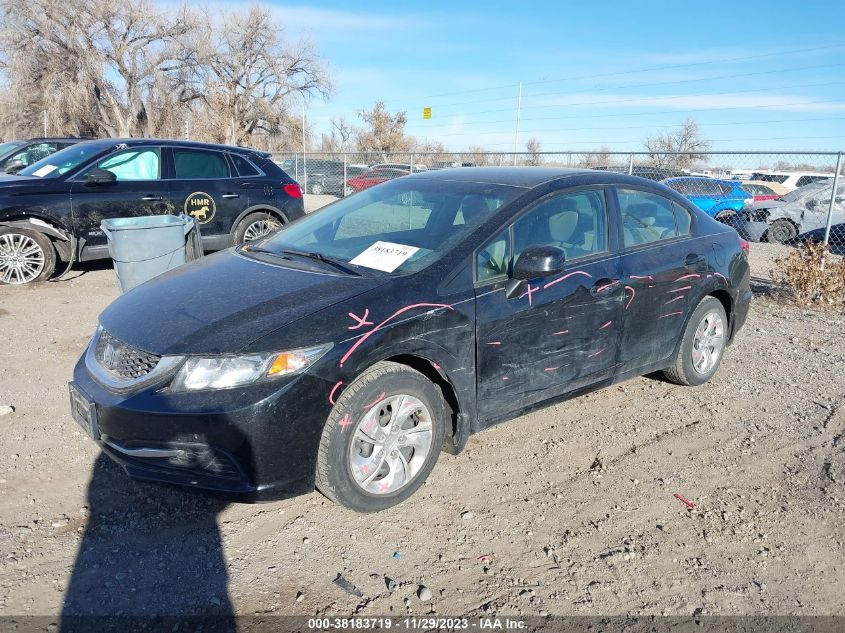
(426, 113)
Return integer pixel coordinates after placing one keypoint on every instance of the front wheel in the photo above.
(382, 438)
(25, 256)
(781, 231)
(725, 216)
(700, 352)
(255, 226)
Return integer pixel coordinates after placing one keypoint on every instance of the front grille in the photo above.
(122, 360)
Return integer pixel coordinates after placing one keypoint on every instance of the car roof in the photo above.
(520, 176)
(138, 142)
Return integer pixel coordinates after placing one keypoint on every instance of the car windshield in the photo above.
(802, 192)
(63, 161)
(402, 225)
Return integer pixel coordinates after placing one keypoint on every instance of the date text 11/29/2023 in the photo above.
(417, 623)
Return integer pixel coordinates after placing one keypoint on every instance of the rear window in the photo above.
(244, 166)
(192, 163)
(778, 178)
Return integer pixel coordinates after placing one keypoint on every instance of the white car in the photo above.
(791, 179)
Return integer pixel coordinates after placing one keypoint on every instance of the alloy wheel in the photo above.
(390, 444)
(21, 258)
(708, 342)
(259, 229)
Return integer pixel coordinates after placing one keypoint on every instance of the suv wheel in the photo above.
(25, 256)
(382, 438)
(255, 226)
(316, 188)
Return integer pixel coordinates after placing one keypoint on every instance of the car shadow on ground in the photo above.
(147, 550)
(79, 269)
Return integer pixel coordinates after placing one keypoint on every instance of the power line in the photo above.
(715, 140)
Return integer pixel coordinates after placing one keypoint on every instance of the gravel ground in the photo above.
(569, 510)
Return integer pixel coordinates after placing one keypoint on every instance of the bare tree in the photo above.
(383, 132)
(101, 61)
(251, 79)
(479, 156)
(533, 149)
(596, 158)
(663, 149)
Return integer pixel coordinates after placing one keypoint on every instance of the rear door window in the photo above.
(646, 217)
(191, 164)
(244, 166)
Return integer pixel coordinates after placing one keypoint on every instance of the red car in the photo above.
(760, 191)
(374, 177)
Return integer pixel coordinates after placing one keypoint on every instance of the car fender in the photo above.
(42, 226)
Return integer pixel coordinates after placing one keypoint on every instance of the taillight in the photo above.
(749, 200)
(293, 190)
(745, 247)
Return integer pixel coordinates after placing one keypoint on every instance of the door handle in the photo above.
(603, 287)
(230, 195)
(693, 261)
(152, 198)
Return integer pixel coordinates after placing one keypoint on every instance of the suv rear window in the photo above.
(244, 167)
(197, 163)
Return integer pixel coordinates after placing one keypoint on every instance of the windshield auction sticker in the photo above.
(385, 256)
(47, 169)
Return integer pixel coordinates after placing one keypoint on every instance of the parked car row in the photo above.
(51, 210)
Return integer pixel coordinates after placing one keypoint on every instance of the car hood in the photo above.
(221, 303)
(11, 184)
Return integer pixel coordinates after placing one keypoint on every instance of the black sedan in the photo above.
(346, 350)
(52, 209)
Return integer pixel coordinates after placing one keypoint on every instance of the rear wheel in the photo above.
(725, 216)
(316, 188)
(255, 226)
(382, 438)
(700, 352)
(781, 231)
(25, 256)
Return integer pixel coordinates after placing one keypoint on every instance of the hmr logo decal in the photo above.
(200, 206)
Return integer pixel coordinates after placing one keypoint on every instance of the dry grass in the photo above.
(811, 275)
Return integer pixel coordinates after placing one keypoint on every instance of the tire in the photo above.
(316, 188)
(253, 226)
(368, 476)
(724, 215)
(781, 231)
(687, 368)
(26, 256)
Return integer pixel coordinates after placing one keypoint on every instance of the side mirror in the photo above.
(99, 176)
(535, 261)
(15, 166)
(539, 261)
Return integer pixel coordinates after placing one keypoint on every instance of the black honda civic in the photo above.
(347, 350)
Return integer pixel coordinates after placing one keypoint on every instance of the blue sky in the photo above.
(765, 76)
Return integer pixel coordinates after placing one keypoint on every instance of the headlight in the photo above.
(224, 372)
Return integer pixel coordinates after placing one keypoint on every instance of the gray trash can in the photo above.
(147, 246)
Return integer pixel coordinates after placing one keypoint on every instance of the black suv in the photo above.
(16, 155)
(53, 208)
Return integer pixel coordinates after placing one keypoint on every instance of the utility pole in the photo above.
(304, 149)
(518, 112)
(45, 123)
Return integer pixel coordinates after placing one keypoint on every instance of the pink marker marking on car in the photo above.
(671, 314)
(606, 286)
(551, 368)
(528, 291)
(561, 332)
(633, 294)
(690, 276)
(361, 321)
(678, 298)
(567, 276)
(606, 325)
(504, 378)
(601, 351)
(679, 289)
(367, 335)
(642, 277)
(494, 343)
(344, 422)
(334, 391)
(435, 365)
(375, 402)
(721, 275)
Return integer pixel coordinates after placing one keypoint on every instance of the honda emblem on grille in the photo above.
(109, 354)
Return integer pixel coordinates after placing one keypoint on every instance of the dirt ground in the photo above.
(569, 510)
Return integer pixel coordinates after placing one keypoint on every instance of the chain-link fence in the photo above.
(776, 201)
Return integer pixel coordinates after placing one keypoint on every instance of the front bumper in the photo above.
(248, 444)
